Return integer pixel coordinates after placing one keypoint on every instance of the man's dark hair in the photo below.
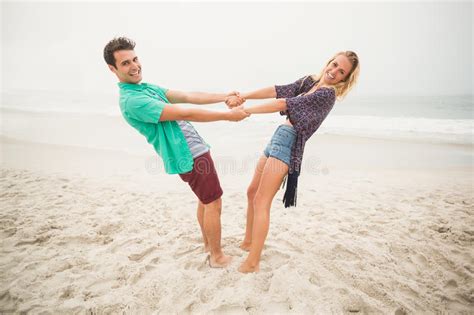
(119, 43)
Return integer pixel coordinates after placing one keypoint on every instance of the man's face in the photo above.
(129, 69)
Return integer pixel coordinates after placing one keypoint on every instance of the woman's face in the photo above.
(337, 70)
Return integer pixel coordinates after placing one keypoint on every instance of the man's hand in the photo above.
(233, 99)
(237, 114)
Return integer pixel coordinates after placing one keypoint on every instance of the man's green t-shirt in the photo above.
(141, 106)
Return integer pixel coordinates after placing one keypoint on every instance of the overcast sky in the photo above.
(405, 48)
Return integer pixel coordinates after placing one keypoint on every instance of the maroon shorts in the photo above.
(203, 179)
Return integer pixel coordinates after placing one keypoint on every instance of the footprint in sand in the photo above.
(10, 231)
(136, 276)
(194, 265)
(62, 266)
(443, 229)
(39, 240)
(291, 246)
(409, 291)
(354, 305)
(451, 284)
(192, 239)
(421, 260)
(205, 295)
(87, 295)
(186, 252)
(275, 258)
(67, 292)
(110, 228)
(344, 253)
(315, 280)
(400, 311)
(139, 256)
(152, 264)
(125, 243)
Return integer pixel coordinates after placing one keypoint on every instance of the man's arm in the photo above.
(199, 98)
(270, 107)
(177, 112)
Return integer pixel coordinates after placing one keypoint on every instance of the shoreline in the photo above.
(26, 125)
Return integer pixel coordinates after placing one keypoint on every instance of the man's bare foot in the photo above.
(221, 261)
(207, 248)
(247, 268)
(245, 246)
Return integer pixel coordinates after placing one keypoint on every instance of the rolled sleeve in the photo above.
(289, 90)
(145, 109)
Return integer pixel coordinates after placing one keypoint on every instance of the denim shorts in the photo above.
(281, 143)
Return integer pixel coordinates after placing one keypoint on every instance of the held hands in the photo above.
(234, 102)
(233, 99)
(237, 114)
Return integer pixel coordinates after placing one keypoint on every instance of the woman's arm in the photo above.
(274, 91)
(269, 107)
(268, 92)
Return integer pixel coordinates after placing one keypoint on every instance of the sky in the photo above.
(405, 48)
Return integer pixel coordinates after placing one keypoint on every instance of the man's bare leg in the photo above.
(212, 230)
(200, 217)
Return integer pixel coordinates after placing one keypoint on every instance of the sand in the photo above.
(382, 226)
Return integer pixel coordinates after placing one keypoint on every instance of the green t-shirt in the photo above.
(141, 106)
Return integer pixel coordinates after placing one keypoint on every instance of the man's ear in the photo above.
(112, 68)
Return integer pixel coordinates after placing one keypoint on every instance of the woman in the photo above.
(306, 103)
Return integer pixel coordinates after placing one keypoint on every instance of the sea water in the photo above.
(447, 119)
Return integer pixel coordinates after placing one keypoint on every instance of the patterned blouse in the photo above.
(306, 113)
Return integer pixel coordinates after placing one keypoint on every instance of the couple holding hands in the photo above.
(305, 103)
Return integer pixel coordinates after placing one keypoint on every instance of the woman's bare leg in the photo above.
(271, 179)
(251, 192)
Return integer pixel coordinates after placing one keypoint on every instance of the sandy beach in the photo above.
(382, 226)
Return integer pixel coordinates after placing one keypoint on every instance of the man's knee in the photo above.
(214, 206)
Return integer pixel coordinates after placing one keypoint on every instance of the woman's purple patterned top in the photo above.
(306, 112)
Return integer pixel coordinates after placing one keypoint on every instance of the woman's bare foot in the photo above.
(221, 261)
(245, 246)
(245, 267)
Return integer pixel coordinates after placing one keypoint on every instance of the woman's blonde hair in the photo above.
(343, 87)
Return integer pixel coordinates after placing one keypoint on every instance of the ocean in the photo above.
(446, 119)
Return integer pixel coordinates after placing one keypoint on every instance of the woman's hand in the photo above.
(237, 114)
(234, 99)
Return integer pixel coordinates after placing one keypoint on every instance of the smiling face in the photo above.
(337, 70)
(127, 67)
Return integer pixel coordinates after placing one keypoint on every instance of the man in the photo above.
(148, 109)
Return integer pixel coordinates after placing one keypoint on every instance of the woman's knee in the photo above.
(261, 201)
(252, 191)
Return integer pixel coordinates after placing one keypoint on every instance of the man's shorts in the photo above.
(203, 179)
(281, 144)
